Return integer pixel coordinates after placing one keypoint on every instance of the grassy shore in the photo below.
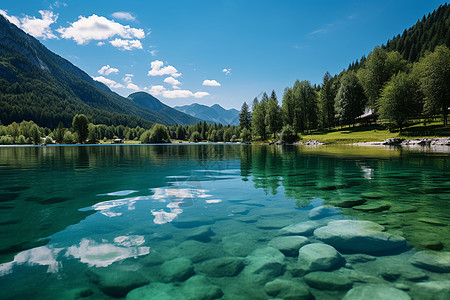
(373, 133)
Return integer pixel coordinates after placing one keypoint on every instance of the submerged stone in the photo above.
(195, 251)
(264, 264)
(372, 195)
(303, 228)
(373, 207)
(178, 269)
(398, 208)
(328, 281)
(375, 292)
(360, 258)
(116, 282)
(350, 202)
(289, 290)
(272, 223)
(199, 287)
(240, 244)
(221, 267)
(289, 245)
(323, 212)
(358, 236)
(319, 257)
(432, 290)
(432, 261)
(432, 245)
(201, 234)
(431, 221)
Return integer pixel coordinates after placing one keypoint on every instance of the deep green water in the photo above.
(72, 216)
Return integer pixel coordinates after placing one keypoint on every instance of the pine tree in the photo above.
(245, 117)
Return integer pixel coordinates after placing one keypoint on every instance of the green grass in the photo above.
(373, 133)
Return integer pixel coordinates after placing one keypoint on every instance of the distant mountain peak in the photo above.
(212, 114)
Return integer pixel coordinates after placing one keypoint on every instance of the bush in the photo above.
(145, 137)
(48, 140)
(288, 134)
(234, 139)
(21, 140)
(68, 138)
(6, 140)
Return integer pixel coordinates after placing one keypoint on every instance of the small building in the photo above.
(368, 117)
(118, 141)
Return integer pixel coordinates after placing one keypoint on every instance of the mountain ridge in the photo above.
(211, 114)
(37, 84)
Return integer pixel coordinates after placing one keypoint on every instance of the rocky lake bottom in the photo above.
(222, 222)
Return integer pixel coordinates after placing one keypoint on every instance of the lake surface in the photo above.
(209, 222)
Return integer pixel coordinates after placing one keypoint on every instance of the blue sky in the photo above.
(208, 52)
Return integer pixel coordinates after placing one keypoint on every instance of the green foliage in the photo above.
(159, 134)
(35, 134)
(259, 120)
(245, 117)
(273, 119)
(304, 106)
(59, 132)
(48, 140)
(350, 99)
(92, 133)
(288, 134)
(433, 72)
(246, 136)
(326, 101)
(80, 124)
(195, 137)
(21, 140)
(400, 99)
(68, 138)
(378, 69)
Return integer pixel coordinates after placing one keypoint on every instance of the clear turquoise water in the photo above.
(69, 215)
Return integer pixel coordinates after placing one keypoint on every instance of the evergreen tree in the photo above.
(255, 104)
(59, 132)
(326, 101)
(245, 117)
(350, 99)
(273, 96)
(259, 121)
(35, 134)
(288, 107)
(273, 118)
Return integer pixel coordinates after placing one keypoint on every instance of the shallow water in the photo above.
(97, 222)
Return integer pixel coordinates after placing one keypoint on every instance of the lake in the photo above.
(223, 221)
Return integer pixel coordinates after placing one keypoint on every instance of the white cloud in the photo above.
(157, 69)
(183, 94)
(106, 70)
(39, 28)
(123, 15)
(153, 52)
(210, 83)
(126, 44)
(172, 81)
(100, 43)
(108, 82)
(156, 90)
(227, 71)
(129, 83)
(98, 28)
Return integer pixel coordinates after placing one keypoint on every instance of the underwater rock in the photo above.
(319, 257)
(432, 261)
(432, 290)
(373, 207)
(117, 281)
(239, 210)
(372, 195)
(221, 267)
(264, 264)
(200, 288)
(195, 251)
(289, 290)
(201, 234)
(350, 202)
(156, 290)
(328, 281)
(152, 259)
(239, 244)
(178, 269)
(375, 292)
(289, 245)
(403, 208)
(191, 222)
(359, 258)
(358, 236)
(431, 221)
(272, 223)
(432, 245)
(303, 228)
(323, 212)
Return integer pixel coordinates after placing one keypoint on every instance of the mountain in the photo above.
(148, 101)
(433, 30)
(37, 84)
(214, 114)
